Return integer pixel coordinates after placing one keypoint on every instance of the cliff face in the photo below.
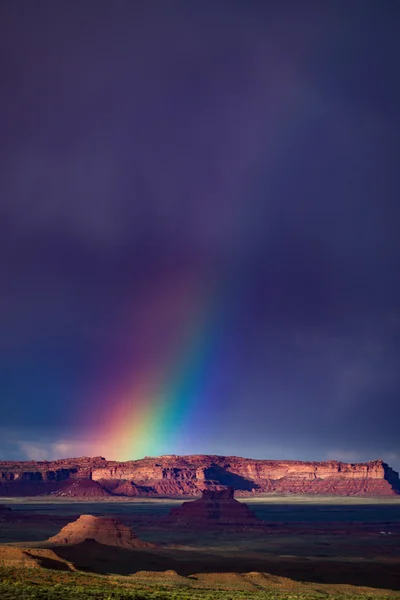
(189, 475)
(104, 530)
(30, 478)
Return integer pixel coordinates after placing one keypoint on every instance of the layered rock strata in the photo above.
(214, 509)
(189, 475)
(103, 530)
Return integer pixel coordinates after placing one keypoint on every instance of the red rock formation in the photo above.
(189, 475)
(214, 509)
(103, 530)
(32, 478)
(80, 488)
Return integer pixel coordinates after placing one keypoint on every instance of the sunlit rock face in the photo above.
(103, 530)
(80, 488)
(189, 475)
(213, 509)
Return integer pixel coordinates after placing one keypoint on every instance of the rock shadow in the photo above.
(374, 575)
(99, 558)
(225, 477)
(49, 563)
(90, 556)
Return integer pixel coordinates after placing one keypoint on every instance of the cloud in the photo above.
(159, 145)
(358, 361)
(344, 456)
(391, 456)
(76, 193)
(134, 150)
(54, 450)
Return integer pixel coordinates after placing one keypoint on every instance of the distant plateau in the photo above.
(175, 476)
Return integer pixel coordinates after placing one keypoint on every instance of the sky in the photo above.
(199, 229)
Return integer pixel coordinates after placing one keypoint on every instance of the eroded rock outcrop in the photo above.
(189, 475)
(214, 509)
(33, 478)
(103, 530)
(80, 488)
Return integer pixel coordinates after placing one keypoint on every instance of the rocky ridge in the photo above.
(174, 475)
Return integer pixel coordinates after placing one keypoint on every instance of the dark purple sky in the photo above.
(252, 145)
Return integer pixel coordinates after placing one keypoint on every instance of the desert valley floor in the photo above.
(330, 544)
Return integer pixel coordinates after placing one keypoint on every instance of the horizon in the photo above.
(332, 460)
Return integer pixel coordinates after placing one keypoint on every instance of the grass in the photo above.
(59, 592)
(18, 582)
(44, 584)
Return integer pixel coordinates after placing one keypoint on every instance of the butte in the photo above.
(214, 509)
(103, 530)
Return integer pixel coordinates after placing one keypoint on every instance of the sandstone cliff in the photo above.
(188, 475)
(104, 530)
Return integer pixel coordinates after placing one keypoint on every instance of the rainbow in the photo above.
(150, 400)
(171, 353)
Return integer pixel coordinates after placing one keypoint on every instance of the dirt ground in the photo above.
(353, 542)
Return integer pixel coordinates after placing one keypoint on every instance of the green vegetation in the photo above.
(62, 592)
(44, 584)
